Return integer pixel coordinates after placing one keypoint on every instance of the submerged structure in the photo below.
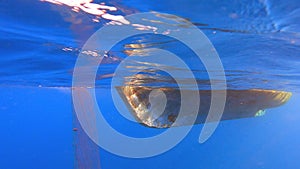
(239, 104)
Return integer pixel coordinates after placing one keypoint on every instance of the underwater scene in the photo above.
(113, 84)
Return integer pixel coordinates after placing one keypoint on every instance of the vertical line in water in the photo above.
(87, 155)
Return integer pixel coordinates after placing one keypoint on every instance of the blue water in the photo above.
(257, 41)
